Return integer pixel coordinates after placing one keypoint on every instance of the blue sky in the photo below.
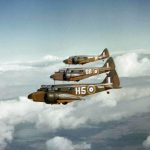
(33, 28)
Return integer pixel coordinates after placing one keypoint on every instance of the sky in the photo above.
(35, 37)
(32, 29)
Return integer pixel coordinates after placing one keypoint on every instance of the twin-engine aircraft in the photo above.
(66, 93)
(77, 74)
(76, 60)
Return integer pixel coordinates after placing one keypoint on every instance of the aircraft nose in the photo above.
(65, 61)
(30, 96)
(38, 96)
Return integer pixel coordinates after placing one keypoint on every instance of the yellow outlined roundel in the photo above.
(91, 89)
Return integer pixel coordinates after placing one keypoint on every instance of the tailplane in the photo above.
(112, 78)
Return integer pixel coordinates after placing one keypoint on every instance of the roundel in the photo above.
(95, 71)
(91, 89)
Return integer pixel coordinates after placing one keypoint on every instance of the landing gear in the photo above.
(108, 92)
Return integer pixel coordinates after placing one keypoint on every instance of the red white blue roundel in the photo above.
(91, 89)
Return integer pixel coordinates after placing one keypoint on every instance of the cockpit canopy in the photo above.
(71, 70)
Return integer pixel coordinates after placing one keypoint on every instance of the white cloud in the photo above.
(102, 108)
(52, 58)
(129, 65)
(14, 112)
(137, 51)
(115, 106)
(128, 101)
(61, 143)
(6, 134)
(44, 62)
(13, 67)
(146, 143)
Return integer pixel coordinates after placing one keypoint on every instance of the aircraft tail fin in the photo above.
(110, 64)
(112, 78)
(104, 54)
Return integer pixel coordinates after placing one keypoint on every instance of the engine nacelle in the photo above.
(75, 60)
(51, 98)
(42, 96)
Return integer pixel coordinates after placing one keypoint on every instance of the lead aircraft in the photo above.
(66, 93)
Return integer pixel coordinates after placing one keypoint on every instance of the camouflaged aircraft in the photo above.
(83, 59)
(66, 93)
(77, 74)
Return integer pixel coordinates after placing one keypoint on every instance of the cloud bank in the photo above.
(146, 143)
(117, 105)
(133, 99)
(129, 65)
(61, 143)
(44, 62)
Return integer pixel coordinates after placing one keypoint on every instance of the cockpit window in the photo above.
(75, 71)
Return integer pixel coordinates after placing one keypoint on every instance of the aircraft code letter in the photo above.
(88, 71)
(80, 90)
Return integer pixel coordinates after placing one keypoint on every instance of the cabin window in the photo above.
(75, 71)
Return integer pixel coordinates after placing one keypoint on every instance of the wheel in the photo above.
(108, 92)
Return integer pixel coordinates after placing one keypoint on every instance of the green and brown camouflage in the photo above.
(77, 74)
(66, 93)
(84, 59)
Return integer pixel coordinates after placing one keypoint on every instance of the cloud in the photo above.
(137, 51)
(118, 104)
(115, 106)
(132, 99)
(129, 65)
(61, 143)
(19, 78)
(44, 62)
(6, 134)
(52, 58)
(13, 67)
(14, 112)
(146, 143)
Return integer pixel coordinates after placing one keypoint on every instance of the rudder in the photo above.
(110, 63)
(112, 78)
(104, 54)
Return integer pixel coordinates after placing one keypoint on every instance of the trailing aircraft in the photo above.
(83, 59)
(66, 93)
(77, 74)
